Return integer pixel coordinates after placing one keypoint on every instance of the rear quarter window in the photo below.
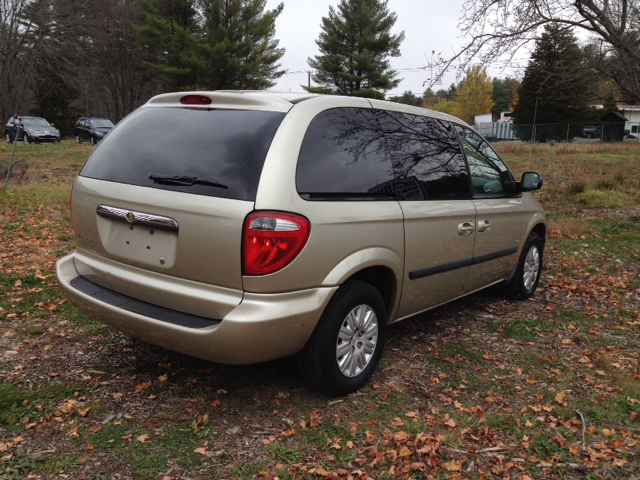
(343, 155)
(226, 147)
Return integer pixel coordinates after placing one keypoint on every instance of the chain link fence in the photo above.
(561, 132)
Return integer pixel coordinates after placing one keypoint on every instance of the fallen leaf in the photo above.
(453, 466)
(143, 438)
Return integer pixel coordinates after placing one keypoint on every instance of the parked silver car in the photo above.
(34, 129)
(248, 226)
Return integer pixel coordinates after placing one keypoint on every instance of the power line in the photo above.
(426, 67)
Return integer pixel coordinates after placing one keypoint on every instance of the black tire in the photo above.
(26, 139)
(525, 280)
(318, 360)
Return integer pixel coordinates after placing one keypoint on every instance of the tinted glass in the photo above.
(227, 147)
(343, 153)
(426, 157)
(489, 175)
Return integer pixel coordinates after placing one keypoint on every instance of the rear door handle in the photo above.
(465, 228)
(484, 225)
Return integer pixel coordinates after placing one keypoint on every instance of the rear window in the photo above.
(220, 148)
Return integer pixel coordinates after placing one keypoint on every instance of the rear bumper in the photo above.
(262, 327)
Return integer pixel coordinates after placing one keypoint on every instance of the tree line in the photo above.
(559, 86)
(64, 58)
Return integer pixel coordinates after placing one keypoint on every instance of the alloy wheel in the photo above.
(357, 340)
(531, 267)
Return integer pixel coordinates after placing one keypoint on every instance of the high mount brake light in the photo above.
(271, 241)
(195, 100)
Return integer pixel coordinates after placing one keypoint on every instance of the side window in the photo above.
(426, 157)
(344, 156)
(489, 175)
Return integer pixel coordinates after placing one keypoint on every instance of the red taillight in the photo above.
(195, 100)
(271, 241)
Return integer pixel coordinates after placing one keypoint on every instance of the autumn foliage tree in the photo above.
(472, 97)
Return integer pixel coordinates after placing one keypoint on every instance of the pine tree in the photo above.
(555, 78)
(355, 43)
(239, 50)
(169, 38)
(505, 94)
(408, 98)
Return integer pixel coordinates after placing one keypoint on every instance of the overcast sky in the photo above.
(428, 25)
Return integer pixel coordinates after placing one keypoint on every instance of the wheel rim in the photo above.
(93, 141)
(531, 267)
(7, 138)
(357, 340)
(77, 139)
(25, 139)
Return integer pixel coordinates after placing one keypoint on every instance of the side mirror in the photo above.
(530, 181)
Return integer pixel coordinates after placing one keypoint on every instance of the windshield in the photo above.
(101, 123)
(218, 153)
(35, 122)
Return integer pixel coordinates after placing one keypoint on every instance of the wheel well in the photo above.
(383, 280)
(541, 230)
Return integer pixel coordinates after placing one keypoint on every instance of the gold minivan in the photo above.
(241, 227)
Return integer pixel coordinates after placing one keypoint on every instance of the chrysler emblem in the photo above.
(131, 217)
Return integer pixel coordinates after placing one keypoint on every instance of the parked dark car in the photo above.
(35, 129)
(91, 129)
(592, 132)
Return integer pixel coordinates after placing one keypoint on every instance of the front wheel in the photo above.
(527, 274)
(78, 140)
(26, 139)
(346, 346)
(7, 137)
(93, 141)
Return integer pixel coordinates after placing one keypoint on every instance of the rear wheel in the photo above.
(346, 346)
(527, 275)
(78, 139)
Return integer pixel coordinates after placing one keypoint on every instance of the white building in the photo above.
(632, 114)
(484, 118)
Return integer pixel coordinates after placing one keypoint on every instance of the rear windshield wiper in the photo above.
(184, 181)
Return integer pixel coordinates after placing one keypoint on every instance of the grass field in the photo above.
(480, 388)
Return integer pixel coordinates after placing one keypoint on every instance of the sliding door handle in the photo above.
(484, 225)
(465, 228)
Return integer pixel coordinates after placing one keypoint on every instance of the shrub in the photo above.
(576, 187)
